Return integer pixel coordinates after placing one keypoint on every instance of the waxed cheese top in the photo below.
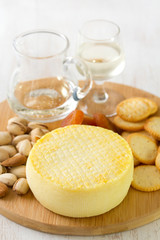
(81, 156)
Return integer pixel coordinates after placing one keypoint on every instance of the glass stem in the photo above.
(100, 95)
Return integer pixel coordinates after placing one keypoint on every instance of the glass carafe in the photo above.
(45, 85)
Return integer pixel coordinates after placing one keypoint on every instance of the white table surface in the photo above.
(140, 26)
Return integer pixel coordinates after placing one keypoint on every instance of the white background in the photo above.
(139, 21)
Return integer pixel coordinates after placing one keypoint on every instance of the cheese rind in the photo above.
(80, 171)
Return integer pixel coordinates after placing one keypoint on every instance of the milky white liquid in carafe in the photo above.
(105, 60)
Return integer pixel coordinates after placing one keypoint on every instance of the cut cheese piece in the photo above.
(80, 170)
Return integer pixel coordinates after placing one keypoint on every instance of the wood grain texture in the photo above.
(130, 214)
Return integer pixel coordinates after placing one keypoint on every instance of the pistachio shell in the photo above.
(24, 147)
(5, 138)
(3, 154)
(19, 138)
(18, 120)
(36, 134)
(45, 130)
(33, 125)
(19, 171)
(16, 128)
(8, 179)
(21, 186)
(10, 149)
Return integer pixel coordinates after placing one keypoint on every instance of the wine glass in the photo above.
(99, 47)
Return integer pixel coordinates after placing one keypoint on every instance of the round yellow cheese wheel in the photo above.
(80, 170)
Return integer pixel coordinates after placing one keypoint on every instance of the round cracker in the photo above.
(149, 135)
(157, 161)
(136, 161)
(125, 135)
(146, 178)
(128, 126)
(143, 147)
(152, 126)
(153, 105)
(133, 109)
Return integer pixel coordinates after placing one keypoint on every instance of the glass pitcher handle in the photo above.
(79, 93)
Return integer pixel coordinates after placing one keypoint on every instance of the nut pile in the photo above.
(15, 145)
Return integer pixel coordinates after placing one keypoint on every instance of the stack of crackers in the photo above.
(141, 128)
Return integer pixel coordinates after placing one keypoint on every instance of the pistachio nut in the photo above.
(36, 134)
(8, 178)
(33, 125)
(19, 171)
(16, 128)
(19, 138)
(18, 120)
(21, 186)
(24, 147)
(5, 138)
(10, 149)
(3, 154)
(45, 130)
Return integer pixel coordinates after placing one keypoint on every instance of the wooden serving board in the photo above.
(137, 209)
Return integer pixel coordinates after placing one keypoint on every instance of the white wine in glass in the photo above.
(99, 47)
